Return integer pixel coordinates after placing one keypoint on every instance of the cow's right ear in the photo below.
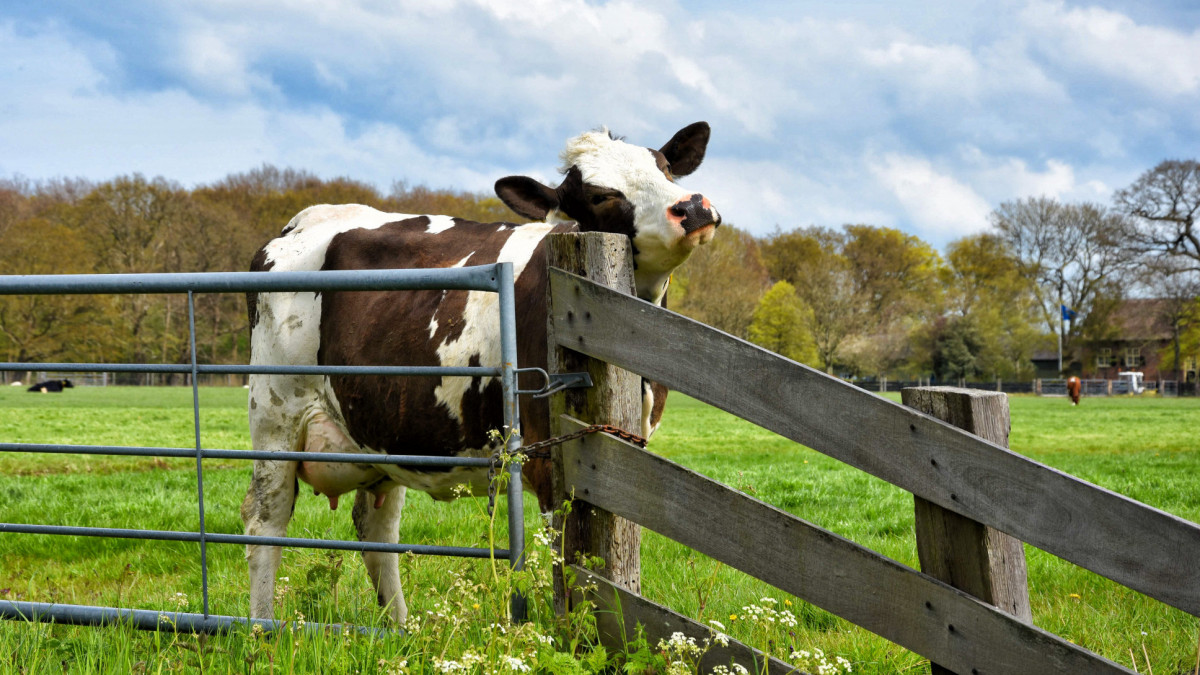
(529, 198)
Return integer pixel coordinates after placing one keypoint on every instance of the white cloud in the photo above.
(1159, 59)
(1003, 178)
(936, 203)
(757, 196)
(928, 70)
(821, 115)
(76, 127)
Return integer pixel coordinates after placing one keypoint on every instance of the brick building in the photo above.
(1140, 338)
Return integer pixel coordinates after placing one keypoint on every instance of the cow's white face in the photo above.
(612, 186)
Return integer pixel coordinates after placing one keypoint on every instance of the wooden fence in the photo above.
(977, 485)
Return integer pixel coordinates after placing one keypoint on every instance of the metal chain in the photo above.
(540, 450)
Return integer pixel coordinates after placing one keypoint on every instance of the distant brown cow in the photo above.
(1073, 389)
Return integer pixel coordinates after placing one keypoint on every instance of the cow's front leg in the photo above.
(266, 511)
(382, 524)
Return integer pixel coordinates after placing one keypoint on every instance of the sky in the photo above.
(923, 116)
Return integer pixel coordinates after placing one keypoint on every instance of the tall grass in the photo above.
(1140, 447)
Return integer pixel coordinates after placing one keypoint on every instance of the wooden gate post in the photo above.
(968, 555)
(615, 397)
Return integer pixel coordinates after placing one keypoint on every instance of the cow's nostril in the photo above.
(678, 210)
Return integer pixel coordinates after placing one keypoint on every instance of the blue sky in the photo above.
(917, 115)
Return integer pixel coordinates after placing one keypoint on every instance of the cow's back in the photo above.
(436, 416)
(408, 415)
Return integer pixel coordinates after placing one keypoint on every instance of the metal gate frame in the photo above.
(496, 278)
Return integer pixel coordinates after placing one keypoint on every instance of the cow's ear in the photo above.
(529, 198)
(686, 148)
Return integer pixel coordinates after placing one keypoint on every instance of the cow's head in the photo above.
(612, 186)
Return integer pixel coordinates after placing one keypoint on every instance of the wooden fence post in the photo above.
(615, 397)
(968, 555)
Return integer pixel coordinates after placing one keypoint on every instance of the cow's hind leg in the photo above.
(383, 525)
(266, 511)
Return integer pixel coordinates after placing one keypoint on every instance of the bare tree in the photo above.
(1176, 286)
(1077, 253)
(1163, 204)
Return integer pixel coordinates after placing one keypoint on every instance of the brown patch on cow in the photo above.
(595, 208)
(258, 264)
(253, 404)
(400, 415)
(660, 392)
(276, 401)
(663, 165)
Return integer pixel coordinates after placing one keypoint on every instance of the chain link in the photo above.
(540, 450)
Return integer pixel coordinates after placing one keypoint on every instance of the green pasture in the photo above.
(1140, 447)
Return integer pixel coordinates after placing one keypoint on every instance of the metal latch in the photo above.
(556, 382)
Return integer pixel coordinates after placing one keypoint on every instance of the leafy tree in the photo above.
(1163, 203)
(45, 327)
(984, 283)
(421, 199)
(811, 260)
(720, 284)
(780, 324)
(896, 277)
(895, 273)
(957, 347)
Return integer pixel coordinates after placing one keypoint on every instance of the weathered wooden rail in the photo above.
(972, 490)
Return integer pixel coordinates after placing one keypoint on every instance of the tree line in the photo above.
(858, 301)
(134, 224)
(874, 302)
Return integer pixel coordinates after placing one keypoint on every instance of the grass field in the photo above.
(1140, 447)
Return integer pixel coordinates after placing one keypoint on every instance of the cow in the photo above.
(608, 185)
(51, 386)
(1073, 389)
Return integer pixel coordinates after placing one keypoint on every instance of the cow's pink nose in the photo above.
(693, 212)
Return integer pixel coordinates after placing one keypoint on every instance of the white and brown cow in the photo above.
(609, 186)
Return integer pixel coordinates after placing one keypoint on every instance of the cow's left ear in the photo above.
(526, 196)
(686, 148)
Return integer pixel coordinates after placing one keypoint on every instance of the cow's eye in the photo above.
(600, 199)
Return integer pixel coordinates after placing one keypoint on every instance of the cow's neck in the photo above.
(651, 287)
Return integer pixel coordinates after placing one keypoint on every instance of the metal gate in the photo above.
(496, 278)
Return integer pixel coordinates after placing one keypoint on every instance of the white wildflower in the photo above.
(448, 666)
(515, 664)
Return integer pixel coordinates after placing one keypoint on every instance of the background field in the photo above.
(1140, 447)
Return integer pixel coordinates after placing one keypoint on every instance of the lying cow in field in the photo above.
(51, 386)
(1073, 389)
(609, 186)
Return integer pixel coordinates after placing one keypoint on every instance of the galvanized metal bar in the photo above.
(496, 278)
(179, 622)
(138, 451)
(191, 304)
(208, 369)
(216, 538)
(512, 420)
(477, 278)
